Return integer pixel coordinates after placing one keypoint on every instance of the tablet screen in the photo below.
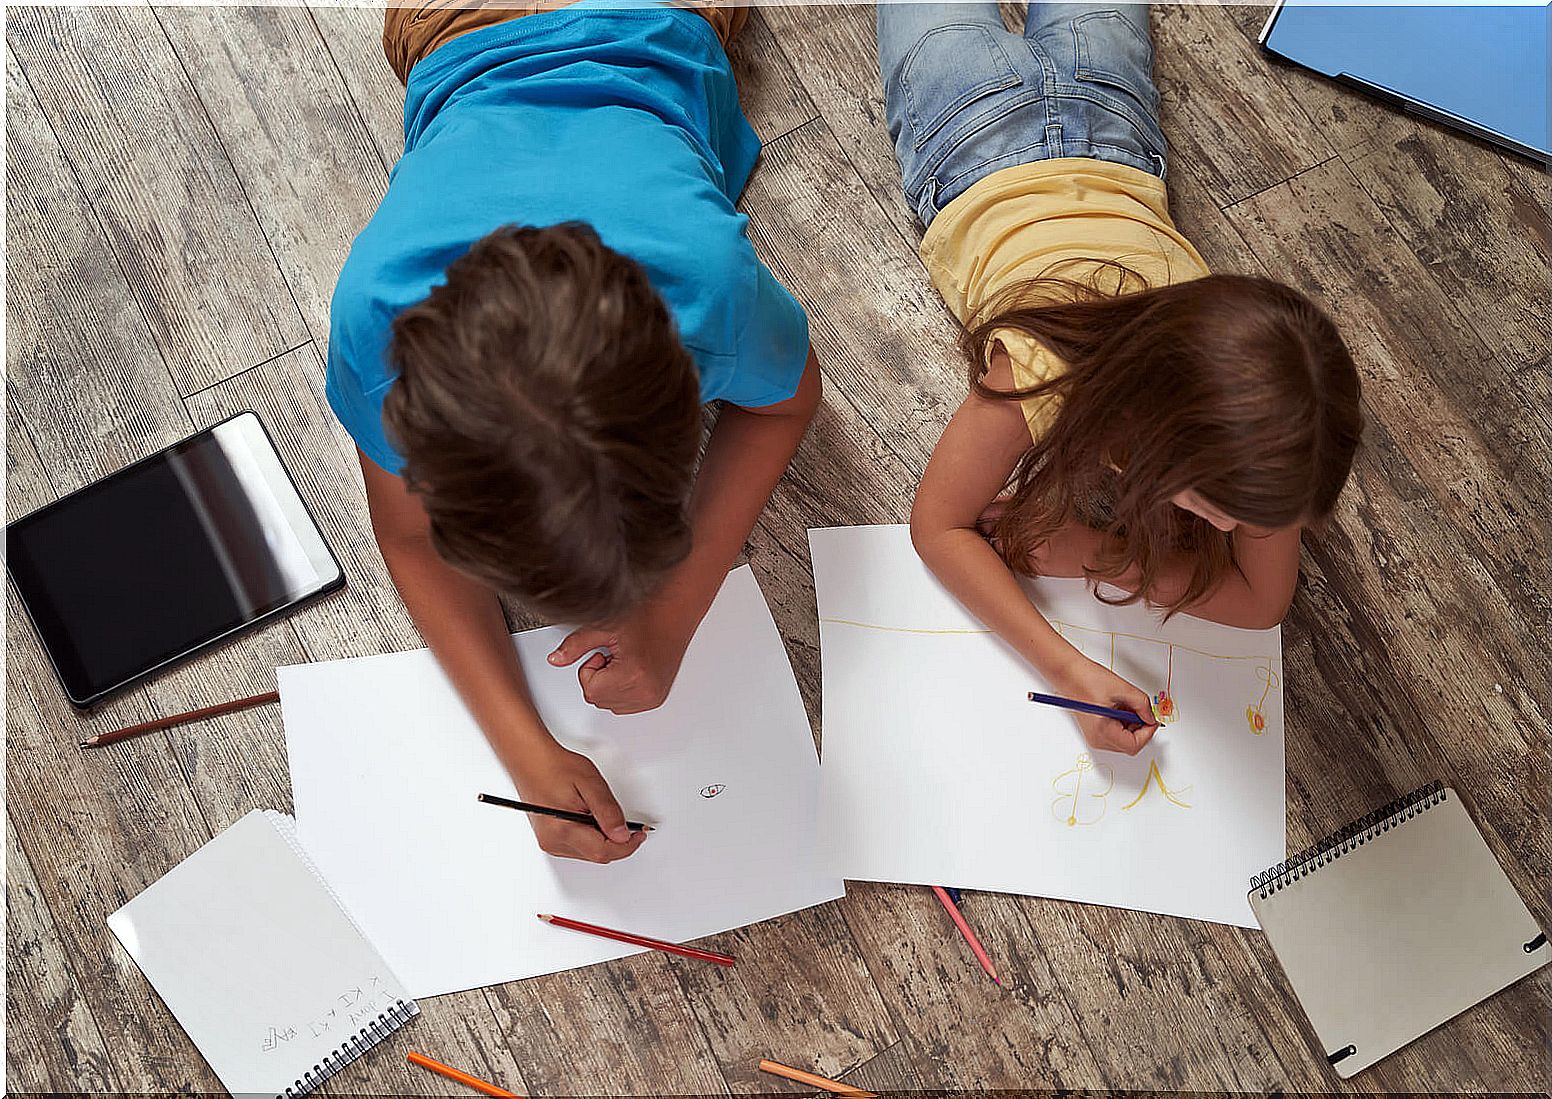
(166, 556)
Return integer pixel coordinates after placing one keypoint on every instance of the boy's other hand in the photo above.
(564, 779)
(1091, 682)
(634, 671)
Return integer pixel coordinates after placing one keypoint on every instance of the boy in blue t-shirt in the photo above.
(521, 342)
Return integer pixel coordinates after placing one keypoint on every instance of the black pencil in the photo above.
(561, 814)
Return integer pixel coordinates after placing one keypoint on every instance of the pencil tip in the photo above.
(480, 797)
(85, 744)
(545, 916)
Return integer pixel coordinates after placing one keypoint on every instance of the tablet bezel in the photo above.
(244, 430)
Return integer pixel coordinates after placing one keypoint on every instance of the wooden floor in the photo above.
(181, 188)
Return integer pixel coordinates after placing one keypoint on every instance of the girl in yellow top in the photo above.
(1132, 418)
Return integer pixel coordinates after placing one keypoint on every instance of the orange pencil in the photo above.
(462, 1077)
(964, 929)
(834, 1087)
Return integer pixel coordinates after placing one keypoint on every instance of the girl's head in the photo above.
(1184, 411)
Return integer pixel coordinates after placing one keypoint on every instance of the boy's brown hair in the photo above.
(549, 417)
(1238, 388)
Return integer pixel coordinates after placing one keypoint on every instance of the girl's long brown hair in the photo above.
(1238, 388)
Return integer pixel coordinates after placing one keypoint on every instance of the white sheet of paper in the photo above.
(938, 770)
(386, 762)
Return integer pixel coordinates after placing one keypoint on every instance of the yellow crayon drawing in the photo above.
(1061, 628)
(1170, 795)
(1080, 802)
(1255, 715)
(1166, 707)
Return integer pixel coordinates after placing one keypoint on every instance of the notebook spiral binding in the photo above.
(1345, 839)
(368, 1036)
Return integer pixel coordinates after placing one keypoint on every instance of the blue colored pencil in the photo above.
(1125, 717)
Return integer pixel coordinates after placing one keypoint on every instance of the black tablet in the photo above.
(173, 554)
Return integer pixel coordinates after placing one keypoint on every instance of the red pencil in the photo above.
(964, 929)
(638, 940)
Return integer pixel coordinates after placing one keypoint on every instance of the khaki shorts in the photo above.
(413, 31)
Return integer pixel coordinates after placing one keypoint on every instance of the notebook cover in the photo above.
(1396, 930)
(259, 963)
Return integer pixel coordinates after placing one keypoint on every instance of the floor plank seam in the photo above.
(32, 441)
(355, 104)
(97, 220)
(246, 371)
(242, 188)
(76, 984)
(1468, 319)
(1280, 183)
(768, 142)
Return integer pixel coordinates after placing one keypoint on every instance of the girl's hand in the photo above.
(563, 779)
(1091, 682)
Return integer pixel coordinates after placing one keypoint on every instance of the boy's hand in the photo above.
(564, 779)
(633, 673)
(1091, 682)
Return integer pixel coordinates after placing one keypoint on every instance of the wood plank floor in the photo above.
(181, 187)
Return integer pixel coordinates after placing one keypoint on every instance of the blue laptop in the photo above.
(1479, 67)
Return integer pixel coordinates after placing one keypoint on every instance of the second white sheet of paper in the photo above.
(938, 770)
(386, 762)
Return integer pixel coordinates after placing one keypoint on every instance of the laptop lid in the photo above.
(1479, 67)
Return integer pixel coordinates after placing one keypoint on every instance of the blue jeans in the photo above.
(966, 97)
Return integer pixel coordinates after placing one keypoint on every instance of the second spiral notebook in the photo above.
(254, 955)
(1394, 925)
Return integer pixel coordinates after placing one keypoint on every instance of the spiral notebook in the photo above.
(1394, 925)
(253, 954)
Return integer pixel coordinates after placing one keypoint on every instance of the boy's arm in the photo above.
(462, 622)
(968, 468)
(747, 454)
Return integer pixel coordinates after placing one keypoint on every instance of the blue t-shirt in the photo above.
(627, 120)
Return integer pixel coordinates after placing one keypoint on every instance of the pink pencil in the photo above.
(964, 929)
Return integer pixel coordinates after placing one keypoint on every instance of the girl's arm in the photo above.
(1256, 596)
(969, 467)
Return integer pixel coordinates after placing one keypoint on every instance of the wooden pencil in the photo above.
(559, 814)
(964, 929)
(639, 940)
(461, 1077)
(102, 739)
(835, 1087)
(1125, 717)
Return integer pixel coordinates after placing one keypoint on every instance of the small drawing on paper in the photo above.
(1077, 805)
(713, 790)
(1255, 713)
(1174, 795)
(1164, 709)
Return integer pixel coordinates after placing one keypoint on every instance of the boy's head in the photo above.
(549, 419)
